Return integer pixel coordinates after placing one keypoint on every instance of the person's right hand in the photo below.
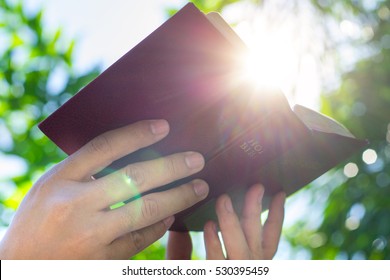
(67, 215)
(244, 238)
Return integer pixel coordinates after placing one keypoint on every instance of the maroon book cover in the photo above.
(185, 72)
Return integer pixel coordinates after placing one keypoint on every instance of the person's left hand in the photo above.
(244, 238)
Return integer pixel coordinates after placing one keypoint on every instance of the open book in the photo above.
(187, 72)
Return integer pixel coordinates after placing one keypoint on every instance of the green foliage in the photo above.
(207, 6)
(31, 60)
(356, 218)
(156, 251)
(212, 6)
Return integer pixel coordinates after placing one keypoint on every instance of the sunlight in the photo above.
(272, 58)
(277, 59)
(261, 70)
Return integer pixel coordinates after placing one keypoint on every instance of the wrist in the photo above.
(7, 250)
(4, 255)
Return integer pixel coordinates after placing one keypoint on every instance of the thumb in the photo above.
(179, 246)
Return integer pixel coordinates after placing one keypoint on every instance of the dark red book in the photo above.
(187, 72)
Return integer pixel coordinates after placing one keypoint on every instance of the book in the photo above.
(188, 72)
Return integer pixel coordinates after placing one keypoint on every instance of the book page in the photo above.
(317, 121)
(224, 28)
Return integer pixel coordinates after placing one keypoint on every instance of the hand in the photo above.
(67, 215)
(243, 239)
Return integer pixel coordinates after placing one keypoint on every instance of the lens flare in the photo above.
(260, 70)
(119, 178)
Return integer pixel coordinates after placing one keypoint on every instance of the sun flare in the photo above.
(276, 59)
(261, 70)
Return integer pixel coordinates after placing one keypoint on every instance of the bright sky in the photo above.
(107, 29)
(104, 29)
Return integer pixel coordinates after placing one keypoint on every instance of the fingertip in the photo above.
(194, 160)
(253, 201)
(226, 205)
(201, 188)
(258, 187)
(220, 203)
(255, 191)
(211, 227)
(283, 197)
(159, 127)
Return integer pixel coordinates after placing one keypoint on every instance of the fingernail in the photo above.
(159, 127)
(169, 221)
(229, 205)
(200, 188)
(194, 160)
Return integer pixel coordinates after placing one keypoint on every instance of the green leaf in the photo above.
(69, 53)
(16, 40)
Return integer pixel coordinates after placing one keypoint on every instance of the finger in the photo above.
(134, 242)
(154, 207)
(179, 246)
(251, 221)
(232, 234)
(273, 226)
(140, 177)
(112, 145)
(212, 242)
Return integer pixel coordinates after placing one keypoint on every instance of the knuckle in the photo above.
(48, 181)
(137, 241)
(136, 175)
(42, 187)
(189, 200)
(140, 131)
(159, 230)
(101, 144)
(171, 166)
(129, 219)
(187, 197)
(250, 216)
(149, 209)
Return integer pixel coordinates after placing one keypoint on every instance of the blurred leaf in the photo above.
(16, 41)
(69, 52)
(156, 251)
(14, 201)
